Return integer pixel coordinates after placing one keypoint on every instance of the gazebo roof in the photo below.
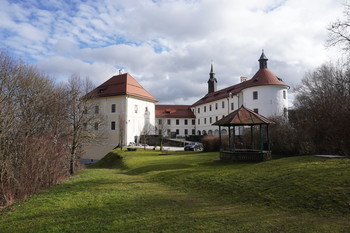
(243, 116)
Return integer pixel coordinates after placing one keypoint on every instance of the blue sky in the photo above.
(168, 45)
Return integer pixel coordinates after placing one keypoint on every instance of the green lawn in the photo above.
(144, 191)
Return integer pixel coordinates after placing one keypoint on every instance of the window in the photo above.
(199, 110)
(256, 110)
(209, 107)
(223, 104)
(97, 109)
(113, 125)
(223, 116)
(186, 122)
(255, 95)
(186, 131)
(216, 106)
(193, 131)
(177, 121)
(177, 131)
(96, 126)
(205, 120)
(193, 122)
(113, 108)
(232, 106)
(216, 118)
(284, 95)
(160, 132)
(168, 131)
(169, 121)
(205, 108)
(199, 121)
(160, 121)
(285, 112)
(210, 120)
(136, 108)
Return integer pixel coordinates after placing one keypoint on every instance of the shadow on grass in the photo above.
(158, 167)
(111, 161)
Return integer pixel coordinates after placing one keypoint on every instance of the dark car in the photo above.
(195, 146)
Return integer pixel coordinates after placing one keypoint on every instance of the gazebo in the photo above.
(245, 117)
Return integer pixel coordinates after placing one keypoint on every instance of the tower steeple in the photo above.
(212, 82)
(263, 61)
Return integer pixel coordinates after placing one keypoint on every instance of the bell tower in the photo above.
(212, 82)
(263, 61)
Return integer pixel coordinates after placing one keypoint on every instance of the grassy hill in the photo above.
(144, 191)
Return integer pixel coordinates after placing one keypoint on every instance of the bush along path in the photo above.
(184, 192)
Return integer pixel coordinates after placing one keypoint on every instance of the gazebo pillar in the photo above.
(220, 137)
(234, 139)
(261, 141)
(268, 137)
(229, 138)
(251, 136)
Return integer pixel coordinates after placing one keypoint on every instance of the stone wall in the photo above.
(245, 155)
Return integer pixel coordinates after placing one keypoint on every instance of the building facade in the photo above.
(265, 93)
(175, 120)
(127, 111)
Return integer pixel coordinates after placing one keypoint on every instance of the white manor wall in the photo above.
(209, 113)
(108, 138)
(140, 119)
(271, 101)
(127, 118)
(177, 125)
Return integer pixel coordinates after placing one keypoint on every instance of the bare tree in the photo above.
(80, 108)
(323, 109)
(147, 130)
(339, 31)
(122, 130)
(32, 154)
(162, 131)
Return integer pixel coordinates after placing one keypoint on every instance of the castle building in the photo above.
(265, 93)
(128, 110)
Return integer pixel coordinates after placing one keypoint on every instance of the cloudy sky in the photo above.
(168, 45)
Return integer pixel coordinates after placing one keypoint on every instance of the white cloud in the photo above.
(168, 45)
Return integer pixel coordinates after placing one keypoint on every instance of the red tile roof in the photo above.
(123, 84)
(261, 78)
(174, 111)
(243, 116)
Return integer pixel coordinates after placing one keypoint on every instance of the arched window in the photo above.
(204, 132)
(216, 132)
(224, 132)
(199, 132)
(210, 132)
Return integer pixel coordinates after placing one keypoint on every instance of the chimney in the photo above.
(243, 79)
(120, 71)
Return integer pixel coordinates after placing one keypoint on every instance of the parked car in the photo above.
(194, 146)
